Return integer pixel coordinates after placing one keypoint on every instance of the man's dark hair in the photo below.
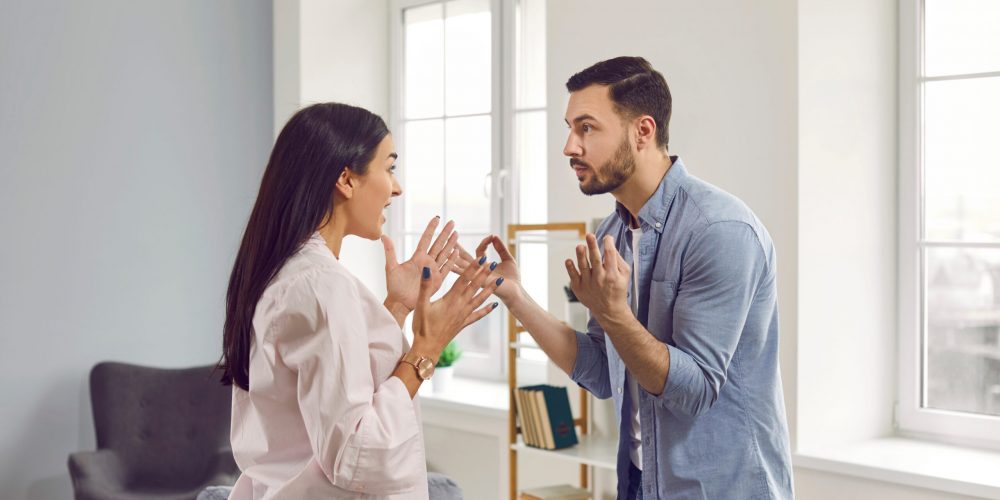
(635, 87)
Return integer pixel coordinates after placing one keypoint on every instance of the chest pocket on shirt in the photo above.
(661, 309)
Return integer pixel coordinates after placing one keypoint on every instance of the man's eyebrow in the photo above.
(581, 118)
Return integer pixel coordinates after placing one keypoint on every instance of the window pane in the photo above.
(532, 259)
(422, 170)
(962, 163)
(468, 57)
(961, 36)
(424, 61)
(468, 158)
(531, 159)
(963, 330)
(529, 53)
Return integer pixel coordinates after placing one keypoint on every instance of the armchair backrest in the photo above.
(168, 425)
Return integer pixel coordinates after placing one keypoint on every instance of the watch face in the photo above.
(425, 368)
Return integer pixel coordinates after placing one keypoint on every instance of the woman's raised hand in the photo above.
(403, 280)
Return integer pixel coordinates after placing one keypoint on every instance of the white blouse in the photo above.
(324, 418)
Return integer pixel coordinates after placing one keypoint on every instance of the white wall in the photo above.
(132, 136)
(335, 51)
(847, 224)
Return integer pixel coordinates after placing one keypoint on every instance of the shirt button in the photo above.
(658, 224)
(619, 390)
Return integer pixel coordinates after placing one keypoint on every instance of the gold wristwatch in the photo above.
(424, 366)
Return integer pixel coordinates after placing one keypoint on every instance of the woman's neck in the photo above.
(333, 233)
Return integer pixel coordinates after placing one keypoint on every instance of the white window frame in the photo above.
(503, 177)
(912, 420)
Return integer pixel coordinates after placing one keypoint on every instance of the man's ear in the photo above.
(346, 183)
(645, 128)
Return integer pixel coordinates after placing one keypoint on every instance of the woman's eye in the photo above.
(392, 169)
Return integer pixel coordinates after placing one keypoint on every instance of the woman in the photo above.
(323, 378)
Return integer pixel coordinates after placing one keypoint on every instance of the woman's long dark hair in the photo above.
(295, 198)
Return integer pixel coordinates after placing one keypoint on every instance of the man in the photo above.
(683, 329)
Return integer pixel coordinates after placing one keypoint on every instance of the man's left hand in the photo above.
(601, 285)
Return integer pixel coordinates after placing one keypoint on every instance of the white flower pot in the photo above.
(442, 378)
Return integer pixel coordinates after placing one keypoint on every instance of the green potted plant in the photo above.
(444, 371)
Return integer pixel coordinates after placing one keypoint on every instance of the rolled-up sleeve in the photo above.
(723, 268)
(591, 368)
(366, 437)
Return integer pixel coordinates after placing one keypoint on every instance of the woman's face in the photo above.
(373, 193)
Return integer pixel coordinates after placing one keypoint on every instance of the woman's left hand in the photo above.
(402, 280)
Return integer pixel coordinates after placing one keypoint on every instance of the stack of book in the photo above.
(545, 417)
(561, 492)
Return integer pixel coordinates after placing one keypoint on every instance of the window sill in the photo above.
(468, 395)
(910, 462)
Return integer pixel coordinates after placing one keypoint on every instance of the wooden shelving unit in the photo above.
(591, 451)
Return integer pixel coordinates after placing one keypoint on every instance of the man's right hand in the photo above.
(506, 267)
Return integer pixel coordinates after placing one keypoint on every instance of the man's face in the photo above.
(598, 145)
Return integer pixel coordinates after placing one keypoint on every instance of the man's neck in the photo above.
(636, 191)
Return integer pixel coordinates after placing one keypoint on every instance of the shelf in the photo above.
(523, 345)
(600, 452)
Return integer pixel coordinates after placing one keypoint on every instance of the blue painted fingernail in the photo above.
(427, 273)
(437, 216)
(482, 260)
(493, 266)
(495, 304)
(499, 280)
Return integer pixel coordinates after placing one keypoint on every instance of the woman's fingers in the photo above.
(425, 239)
(479, 314)
(443, 238)
(390, 253)
(445, 253)
(483, 245)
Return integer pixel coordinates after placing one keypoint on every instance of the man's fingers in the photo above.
(610, 254)
(594, 253)
(425, 239)
(582, 261)
(501, 249)
(574, 275)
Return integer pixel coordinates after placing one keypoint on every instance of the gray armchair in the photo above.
(161, 434)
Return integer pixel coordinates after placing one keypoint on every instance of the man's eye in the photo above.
(586, 127)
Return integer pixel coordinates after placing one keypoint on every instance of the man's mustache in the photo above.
(573, 162)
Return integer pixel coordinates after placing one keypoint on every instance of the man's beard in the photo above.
(616, 171)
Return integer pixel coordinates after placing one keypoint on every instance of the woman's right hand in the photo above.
(436, 323)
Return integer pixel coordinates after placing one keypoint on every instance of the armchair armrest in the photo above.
(96, 474)
(222, 469)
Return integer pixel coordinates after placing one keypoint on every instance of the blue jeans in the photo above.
(634, 482)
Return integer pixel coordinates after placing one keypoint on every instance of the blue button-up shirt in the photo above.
(706, 290)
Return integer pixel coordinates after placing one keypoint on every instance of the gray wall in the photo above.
(132, 140)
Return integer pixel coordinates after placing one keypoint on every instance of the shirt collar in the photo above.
(654, 213)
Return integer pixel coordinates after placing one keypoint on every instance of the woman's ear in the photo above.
(346, 183)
